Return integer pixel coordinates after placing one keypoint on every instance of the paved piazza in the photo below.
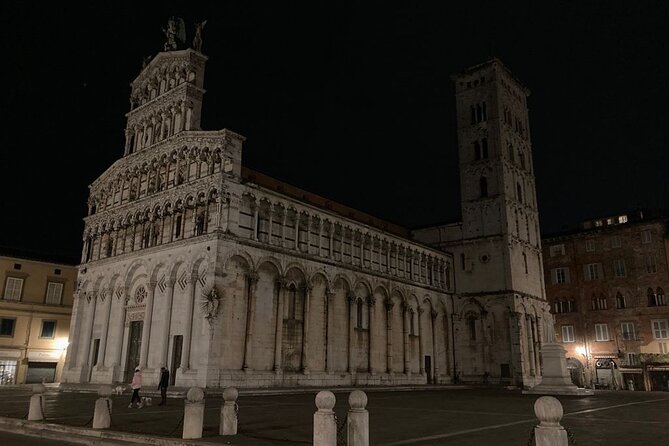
(437, 417)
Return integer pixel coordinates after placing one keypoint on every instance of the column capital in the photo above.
(329, 292)
(371, 300)
(420, 310)
(351, 297)
(434, 314)
(252, 277)
(283, 283)
(151, 286)
(389, 305)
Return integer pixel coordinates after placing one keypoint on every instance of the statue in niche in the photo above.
(197, 40)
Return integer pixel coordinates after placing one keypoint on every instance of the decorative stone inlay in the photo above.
(140, 294)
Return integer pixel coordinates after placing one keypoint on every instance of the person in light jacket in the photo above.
(136, 385)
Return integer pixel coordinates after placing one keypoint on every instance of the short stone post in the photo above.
(103, 409)
(325, 425)
(193, 414)
(357, 421)
(36, 410)
(228, 424)
(549, 432)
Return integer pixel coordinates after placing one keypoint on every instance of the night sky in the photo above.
(348, 100)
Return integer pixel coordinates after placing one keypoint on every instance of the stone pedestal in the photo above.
(357, 421)
(193, 414)
(228, 424)
(325, 425)
(36, 410)
(103, 406)
(549, 432)
(555, 376)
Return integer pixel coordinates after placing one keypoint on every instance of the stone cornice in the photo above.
(169, 98)
(300, 206)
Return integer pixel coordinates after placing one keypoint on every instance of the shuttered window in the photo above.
(13, 288)
(54, 293)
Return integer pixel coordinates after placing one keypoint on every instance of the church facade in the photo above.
(225, 276)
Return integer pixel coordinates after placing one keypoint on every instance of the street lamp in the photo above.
(583, 351)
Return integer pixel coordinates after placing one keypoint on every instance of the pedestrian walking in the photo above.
(163, 383)
(136, 385)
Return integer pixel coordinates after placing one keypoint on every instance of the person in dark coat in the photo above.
(162, 385)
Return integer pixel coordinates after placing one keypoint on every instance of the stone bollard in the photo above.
(103, 409)
(549, 432)
(325, 425)
(36, 410)
(193, 413)
(228, 424)
(357, 424)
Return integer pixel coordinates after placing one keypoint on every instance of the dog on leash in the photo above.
(146, 401)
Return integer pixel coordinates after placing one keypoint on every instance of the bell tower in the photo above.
(500, 223)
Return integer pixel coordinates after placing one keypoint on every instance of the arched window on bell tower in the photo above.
(519, 192)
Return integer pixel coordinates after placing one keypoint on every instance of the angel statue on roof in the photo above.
(176, 31)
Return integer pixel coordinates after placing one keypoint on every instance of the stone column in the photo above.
(281, 286)
(435, 349)
(530, 344)
(421, 347)
(406, 314)
(36, 408)
(372, 319)
(165, 338)
(228, 423)
(105, 330)
(351, 331)
(146, 331)
(320, 236)
(182, 120)
(549, 432)
(331, 253)
(87, 336)
(103, 408)
(357, 420)
(297, 230)
(325, 424)
(188, 325)
(120, 328)
(252, 281)
(283, 227)
(389, 336)
(329, 316)
(305, 328)
(270, 211)
(193, 414)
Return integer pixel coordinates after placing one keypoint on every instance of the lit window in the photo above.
(601, 332)
(622, 219)
(627, 331)
(660, 330)
(54, 292)
(48, 329)
(568, 333)
(13, 288)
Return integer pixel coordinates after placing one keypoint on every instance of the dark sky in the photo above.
(351, 100)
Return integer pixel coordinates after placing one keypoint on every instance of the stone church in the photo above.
(229, 277)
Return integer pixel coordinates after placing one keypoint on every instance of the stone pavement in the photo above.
(452, 416)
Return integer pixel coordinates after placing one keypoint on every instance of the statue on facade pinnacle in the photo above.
(197, 40)
(176, 30)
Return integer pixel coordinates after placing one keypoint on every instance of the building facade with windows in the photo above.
(35, 310)
(228, 277)
(606, 282)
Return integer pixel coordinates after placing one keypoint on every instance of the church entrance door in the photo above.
(132, 357)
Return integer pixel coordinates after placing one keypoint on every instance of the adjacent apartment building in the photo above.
(606, 282)
(35, 311)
